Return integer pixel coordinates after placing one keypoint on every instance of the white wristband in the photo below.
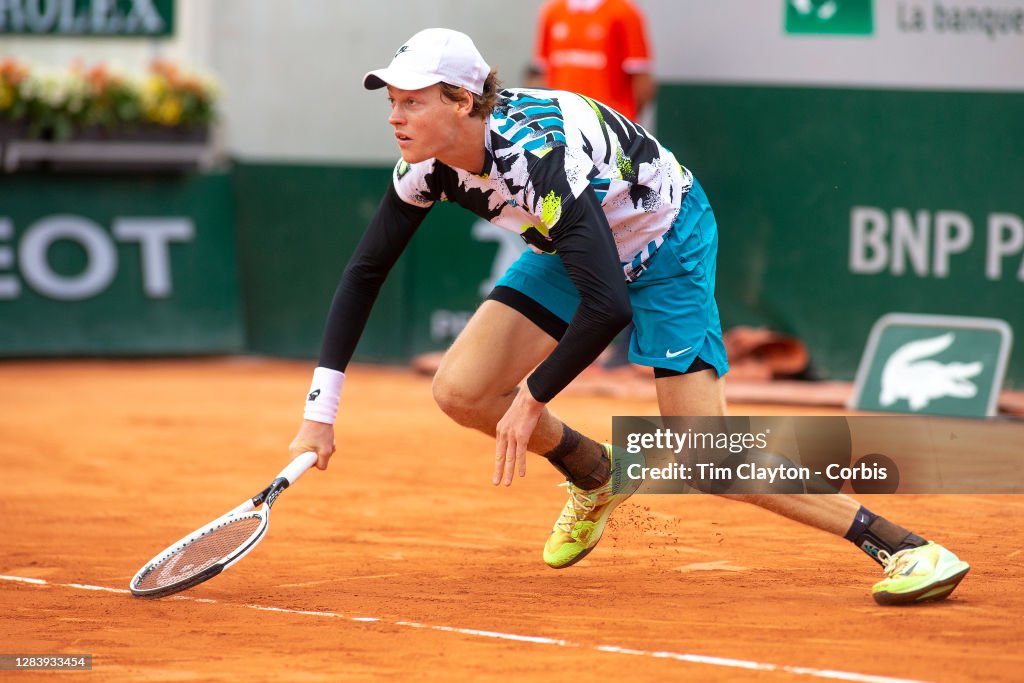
(324, 394)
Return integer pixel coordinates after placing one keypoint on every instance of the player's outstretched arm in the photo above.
(383, 242)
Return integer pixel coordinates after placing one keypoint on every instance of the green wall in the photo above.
(297, 226)
(115, 265)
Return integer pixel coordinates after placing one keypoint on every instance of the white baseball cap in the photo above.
(433, 55)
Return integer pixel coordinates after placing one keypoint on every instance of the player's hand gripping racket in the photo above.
(211, 549)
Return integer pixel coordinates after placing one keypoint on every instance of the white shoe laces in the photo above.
(582, 502)
(892, 564)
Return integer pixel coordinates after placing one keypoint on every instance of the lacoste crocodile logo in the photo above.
(909, 375)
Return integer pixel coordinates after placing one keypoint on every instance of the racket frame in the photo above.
(248, 508)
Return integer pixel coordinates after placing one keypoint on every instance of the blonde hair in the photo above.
(484, 103)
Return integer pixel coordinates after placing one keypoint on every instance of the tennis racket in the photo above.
(211, 549)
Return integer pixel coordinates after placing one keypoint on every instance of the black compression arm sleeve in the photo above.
(383, 242)
(584, 242)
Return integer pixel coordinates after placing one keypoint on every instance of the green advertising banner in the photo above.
(110, 18)
(118, 266)
(837, 206)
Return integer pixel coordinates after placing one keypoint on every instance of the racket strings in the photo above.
(200, 554)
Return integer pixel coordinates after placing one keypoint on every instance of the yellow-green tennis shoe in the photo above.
(915, 575)
(582, 521)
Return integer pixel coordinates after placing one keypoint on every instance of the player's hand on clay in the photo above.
(513, 435)
(317, 437)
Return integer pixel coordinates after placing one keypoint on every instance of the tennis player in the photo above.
(618, 231)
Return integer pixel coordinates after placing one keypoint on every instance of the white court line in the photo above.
(539, 640)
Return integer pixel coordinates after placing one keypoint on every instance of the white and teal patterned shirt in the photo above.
(543, 149)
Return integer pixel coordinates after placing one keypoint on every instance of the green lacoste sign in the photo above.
(111, 18)
(933, 365)
(833, 17)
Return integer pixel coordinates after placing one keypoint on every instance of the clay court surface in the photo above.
(402, 562)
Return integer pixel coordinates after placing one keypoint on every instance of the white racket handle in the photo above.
(297, 467)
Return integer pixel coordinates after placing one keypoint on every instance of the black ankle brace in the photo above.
(872, 533)
(583, 461)
(569, 443)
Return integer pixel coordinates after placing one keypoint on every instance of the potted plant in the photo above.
(56, 102)
(13, 114)
(104, 106)
(179, 104)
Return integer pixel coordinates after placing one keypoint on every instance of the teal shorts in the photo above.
(675, 316)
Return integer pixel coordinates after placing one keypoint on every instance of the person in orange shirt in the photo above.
(597, 48)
